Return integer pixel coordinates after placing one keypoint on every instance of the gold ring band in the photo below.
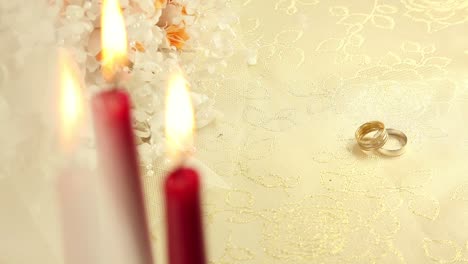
(376, 141)
(403, 141)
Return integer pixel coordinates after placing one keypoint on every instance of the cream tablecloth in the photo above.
(300, 189)
(297, 188)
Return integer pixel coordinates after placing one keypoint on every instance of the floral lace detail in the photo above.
(292, 6)
(437, 15)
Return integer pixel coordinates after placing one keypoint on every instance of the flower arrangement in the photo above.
(193, 35)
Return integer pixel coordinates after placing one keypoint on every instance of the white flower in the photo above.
(159, 34)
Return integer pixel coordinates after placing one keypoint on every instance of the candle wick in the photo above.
(186, 154)
(118, 77)
(183, 161)
(179, 160)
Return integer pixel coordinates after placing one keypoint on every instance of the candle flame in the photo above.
(113, 38)
(71, 100)
(179, 117)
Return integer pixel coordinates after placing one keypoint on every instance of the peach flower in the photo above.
(159, 4)
(177, 36)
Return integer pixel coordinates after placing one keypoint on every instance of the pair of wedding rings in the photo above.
(372, 136)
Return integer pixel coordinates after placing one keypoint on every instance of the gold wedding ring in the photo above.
(403, 141)
(377, 141)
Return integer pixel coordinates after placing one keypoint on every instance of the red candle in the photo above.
(125, 231)
(120, 171)
(184, 220)
(182, 186)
